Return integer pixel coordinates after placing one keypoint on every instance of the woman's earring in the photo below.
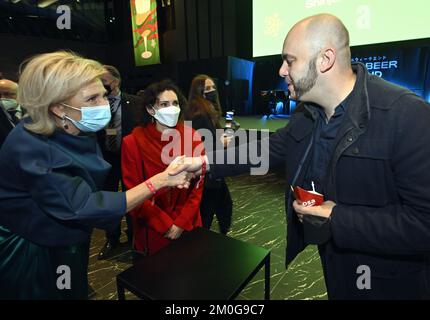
(64, 123)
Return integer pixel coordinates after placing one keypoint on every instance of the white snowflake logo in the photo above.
(153, 43)
(272, 25)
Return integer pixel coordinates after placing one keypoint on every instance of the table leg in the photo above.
(267, 278)
(120, 290)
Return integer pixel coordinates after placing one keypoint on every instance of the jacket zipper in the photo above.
(299, 169)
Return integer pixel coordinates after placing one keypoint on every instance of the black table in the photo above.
(201, 265)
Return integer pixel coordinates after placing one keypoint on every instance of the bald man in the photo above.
(8, 89)
(369, 156)
(364, 144)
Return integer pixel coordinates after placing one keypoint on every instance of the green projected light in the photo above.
(368, 21)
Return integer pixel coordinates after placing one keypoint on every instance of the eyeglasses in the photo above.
(165, 104)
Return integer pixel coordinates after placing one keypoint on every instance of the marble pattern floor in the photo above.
(258, 218)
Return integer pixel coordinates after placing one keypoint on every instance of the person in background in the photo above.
(146, 151)
(10, 112)
(8, 91)
(204, 111)
(140, 93)
(125, 115)
(51, 181)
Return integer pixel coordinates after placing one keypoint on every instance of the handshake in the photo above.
(183, 169)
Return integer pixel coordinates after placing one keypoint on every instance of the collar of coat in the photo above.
(358, 110)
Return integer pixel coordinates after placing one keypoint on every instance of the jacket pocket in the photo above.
(364, 175)
(392, 267)
(396, 277)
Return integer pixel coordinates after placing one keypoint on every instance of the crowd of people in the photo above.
(79, 153)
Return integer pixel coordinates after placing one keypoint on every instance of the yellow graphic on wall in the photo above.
(145, 32)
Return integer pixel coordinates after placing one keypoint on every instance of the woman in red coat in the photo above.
(148, 150)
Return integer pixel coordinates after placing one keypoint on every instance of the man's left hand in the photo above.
(323, 210)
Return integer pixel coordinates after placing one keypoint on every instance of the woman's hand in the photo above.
(174, 232)
(164, 179)
(180, 179)
(192, 165)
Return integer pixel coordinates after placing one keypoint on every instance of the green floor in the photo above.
(259, 218)
(271, 123)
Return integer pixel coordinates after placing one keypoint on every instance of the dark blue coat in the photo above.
(379, 176)
(50, 188)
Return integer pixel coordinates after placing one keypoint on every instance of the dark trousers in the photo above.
(112, 184)
(216, 200)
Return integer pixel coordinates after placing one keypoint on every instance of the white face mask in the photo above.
(168, 116)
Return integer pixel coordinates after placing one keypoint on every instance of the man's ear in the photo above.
(328, 59)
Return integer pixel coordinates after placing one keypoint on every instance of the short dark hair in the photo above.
(151, 94)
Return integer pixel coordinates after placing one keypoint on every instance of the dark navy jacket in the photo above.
(379, 176)
(50, 188)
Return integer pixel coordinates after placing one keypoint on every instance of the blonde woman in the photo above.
(50, 178)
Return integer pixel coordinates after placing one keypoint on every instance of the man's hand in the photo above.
(174, 232)
(323, 210)
(180, 180)
(189, 164)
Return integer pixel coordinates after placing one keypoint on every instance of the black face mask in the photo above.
(108, 89)
(211, 96)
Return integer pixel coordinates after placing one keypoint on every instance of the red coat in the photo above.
(169, 205)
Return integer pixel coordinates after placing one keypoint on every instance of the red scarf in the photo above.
(172, 201)
(153, 149)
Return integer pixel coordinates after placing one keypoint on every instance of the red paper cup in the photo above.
(308, 198)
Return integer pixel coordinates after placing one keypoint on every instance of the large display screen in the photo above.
(368, 21)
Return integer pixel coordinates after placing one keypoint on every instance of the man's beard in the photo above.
(305, 84)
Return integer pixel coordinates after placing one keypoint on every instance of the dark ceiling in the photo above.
(90, 19)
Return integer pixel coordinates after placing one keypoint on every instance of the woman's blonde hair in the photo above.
(50, 78)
